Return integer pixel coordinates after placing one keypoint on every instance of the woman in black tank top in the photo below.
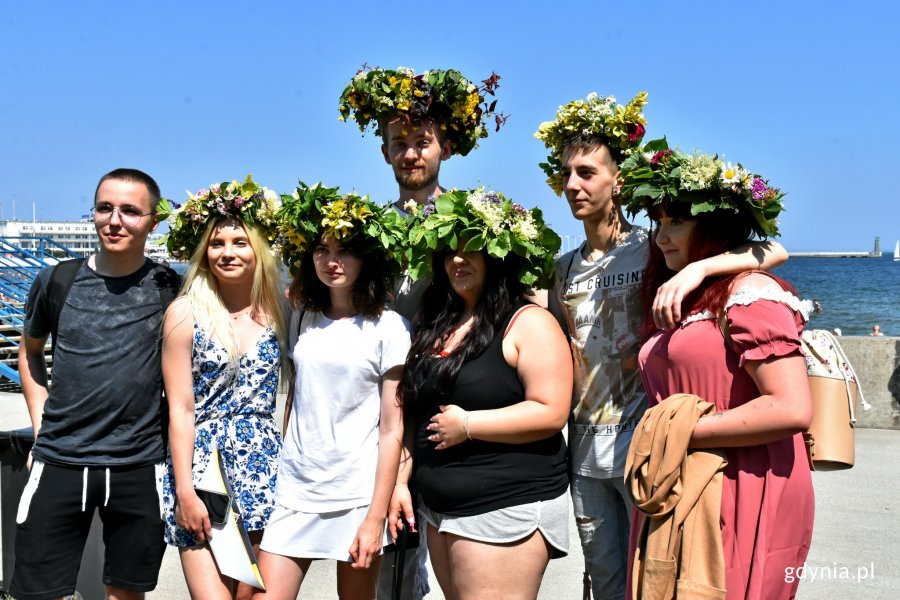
(486, 392)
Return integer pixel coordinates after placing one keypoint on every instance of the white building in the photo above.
(78, 236)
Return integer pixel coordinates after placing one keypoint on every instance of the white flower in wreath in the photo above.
(525, 228)
(732, 176)
(699, 171)
(490, 212)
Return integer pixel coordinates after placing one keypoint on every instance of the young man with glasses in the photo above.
(99, 429)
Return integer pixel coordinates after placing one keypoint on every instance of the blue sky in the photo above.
(196, 92)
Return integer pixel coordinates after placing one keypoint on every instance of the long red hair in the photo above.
(716, 232)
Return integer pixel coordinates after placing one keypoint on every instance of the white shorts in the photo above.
(314, 535)
(507, 525)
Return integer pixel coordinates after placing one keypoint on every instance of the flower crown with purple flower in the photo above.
(621, 128)
(488, 222)
(458, 106)
(248, 202)
(660, 175)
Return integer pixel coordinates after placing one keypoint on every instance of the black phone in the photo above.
(217, 504)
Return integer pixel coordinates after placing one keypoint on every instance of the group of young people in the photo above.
(427, 388)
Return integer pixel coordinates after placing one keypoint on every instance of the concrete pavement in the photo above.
(854, 554)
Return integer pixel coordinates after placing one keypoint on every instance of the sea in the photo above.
(855, 293)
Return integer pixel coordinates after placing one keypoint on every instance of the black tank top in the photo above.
(476, 477)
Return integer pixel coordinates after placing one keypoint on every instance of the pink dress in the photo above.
(767, 494)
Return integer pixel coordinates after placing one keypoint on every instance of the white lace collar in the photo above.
(748, 294)
(703, 315)
(775, 293)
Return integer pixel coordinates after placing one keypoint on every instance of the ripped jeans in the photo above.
(603, 516)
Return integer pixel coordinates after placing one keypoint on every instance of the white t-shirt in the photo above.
(600, 303)
(331, 443)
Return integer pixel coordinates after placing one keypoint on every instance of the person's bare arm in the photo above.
(544, 366)
(666, 309)
(401, 499)
(178, 327)
(782, 409)
(369, 538)
(33, 375)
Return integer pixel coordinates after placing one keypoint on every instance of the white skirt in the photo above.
(314, 535)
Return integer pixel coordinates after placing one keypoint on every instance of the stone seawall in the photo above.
(876, 361)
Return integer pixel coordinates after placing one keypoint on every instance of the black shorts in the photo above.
(54, 520)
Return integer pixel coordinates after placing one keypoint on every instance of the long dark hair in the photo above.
(442, 309)
(715, 233)
(371, 291)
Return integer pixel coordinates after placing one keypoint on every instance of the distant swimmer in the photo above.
(876, 329)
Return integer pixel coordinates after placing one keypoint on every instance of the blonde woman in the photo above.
(220, 359)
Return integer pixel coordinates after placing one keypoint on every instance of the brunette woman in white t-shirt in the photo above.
(343, 422)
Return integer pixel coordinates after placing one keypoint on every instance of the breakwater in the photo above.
(833, 255)
(876, 361)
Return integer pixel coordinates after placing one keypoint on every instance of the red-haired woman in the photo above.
(738, 348)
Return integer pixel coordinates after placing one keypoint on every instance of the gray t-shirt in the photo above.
(600, 304)
(105, 406)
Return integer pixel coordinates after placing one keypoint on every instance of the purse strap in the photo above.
(399, 561)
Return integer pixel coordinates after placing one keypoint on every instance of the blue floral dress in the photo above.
(235, 415)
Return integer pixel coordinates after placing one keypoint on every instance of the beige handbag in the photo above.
(834, 388)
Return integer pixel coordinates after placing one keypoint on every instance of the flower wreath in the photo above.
(488, 221)
(249, 202)
(457, 105)
(310, 211)
(658, 174)
(621, 127)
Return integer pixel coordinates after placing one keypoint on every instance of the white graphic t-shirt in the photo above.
(600, 303)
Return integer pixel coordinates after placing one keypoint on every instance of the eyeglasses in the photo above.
(130, 216)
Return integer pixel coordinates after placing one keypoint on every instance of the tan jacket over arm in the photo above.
(679, 546)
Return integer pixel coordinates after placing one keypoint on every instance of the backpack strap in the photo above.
(725, 330)
(167, 284)
(294, 335)
(61, 278)
(300, 321)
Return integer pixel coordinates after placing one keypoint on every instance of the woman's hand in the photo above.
(401, 506)
(448, 427)
(368, 542)
(191, 514)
